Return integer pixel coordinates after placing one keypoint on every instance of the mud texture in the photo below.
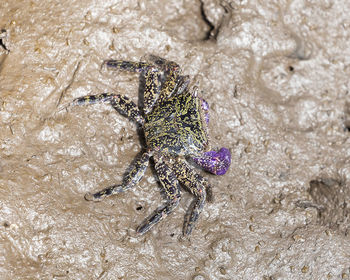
(276, 74)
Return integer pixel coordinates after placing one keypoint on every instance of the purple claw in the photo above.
(215, 162)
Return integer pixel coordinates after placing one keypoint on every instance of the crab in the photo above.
(174, 121)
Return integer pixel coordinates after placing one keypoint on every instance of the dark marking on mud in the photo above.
(2, 43)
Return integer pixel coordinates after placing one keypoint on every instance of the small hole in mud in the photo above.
(172, 234)
(291, 68)
(67, 271)
(139, 208)
(6, 224)
(329, 197)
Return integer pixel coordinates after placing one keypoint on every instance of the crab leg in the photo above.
(215, 162)
(131, 66)
(172, 190)
(130, 180)
(171, 71)
(152, 79)
(119, 102)
(197, 185)
(152, 89)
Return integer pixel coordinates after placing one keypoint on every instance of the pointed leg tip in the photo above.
(141, 229)
(90, 197)
(185, 237)
(187, 232)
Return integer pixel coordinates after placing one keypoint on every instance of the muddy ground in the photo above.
(276, 74)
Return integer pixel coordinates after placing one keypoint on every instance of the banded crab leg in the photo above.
(171, 187)
(119, 102)
(130, 180)
(152, 79)
(162, 78)
(197, 186)
(130, 66)
(171, 72)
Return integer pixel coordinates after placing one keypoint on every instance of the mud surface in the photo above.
(276, 74)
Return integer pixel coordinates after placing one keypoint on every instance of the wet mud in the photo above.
(276, 76)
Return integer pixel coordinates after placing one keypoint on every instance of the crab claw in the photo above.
(215, 162)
